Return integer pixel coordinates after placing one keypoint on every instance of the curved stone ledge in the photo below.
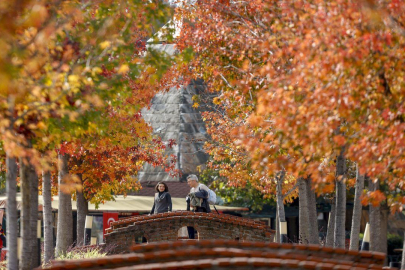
(164, 227)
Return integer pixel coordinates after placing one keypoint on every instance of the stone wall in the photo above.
(164, 227)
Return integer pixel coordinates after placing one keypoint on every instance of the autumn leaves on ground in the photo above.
(308, 102)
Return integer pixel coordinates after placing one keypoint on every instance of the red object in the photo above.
(108, 217)
(3, 254)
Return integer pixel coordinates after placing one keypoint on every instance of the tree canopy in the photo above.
(306, 81)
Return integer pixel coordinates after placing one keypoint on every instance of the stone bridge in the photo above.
(126, 232)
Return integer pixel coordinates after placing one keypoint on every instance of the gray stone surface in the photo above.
(172, 116)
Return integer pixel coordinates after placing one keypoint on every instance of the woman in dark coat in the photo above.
(163, 200)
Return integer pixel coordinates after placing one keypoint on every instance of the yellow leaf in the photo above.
(41, 125)
(216, 101)
(48, 82)
(97, 70)
(123, 69)
(105, 44)
(73, 78)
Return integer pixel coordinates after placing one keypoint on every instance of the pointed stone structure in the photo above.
(173, 118)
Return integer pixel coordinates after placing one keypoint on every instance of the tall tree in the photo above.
(340, 214)
(56, 68)
(64, 237)
(11, 188)
(303, 216)
(283, 54)
(384, 213)
(313, 216)
(375, 219)
(82, 210)
(330, 234)
(403, 255)
(357, 209)
(29, 214)
(48, 217)
(280, 198)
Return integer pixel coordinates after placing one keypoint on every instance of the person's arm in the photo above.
(188, 203)
(169, 200)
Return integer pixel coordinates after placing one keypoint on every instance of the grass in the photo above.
(82, 254)
(77, 253)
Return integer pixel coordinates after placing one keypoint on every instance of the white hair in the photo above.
(192, 177)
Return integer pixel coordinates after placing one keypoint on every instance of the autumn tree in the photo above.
(53, 55)
(107, 165)
(232, 162)
(326, 77)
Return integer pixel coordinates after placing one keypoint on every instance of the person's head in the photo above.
(192, 180)
(161, 186)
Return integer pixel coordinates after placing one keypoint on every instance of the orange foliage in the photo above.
(298, 80)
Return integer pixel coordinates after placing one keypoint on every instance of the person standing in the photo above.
(163, 200)
(197, 200)
(199, 191)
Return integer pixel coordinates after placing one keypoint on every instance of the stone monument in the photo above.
(173, 117)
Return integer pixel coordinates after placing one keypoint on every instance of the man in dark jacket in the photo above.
(199, 191)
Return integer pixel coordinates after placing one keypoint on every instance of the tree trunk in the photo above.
(29, 215)
(330, 234)
(340, 218)
(280, 204)
(277, 228)
(303, 222)
(356, 219)
(64, 236)
(375, 224)
(48, 219)
(403, 254)
(82, 210)
(11, 187)
(313, 216)
(384, 229)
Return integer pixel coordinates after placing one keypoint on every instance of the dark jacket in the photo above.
(205, 206)
(162, 204)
